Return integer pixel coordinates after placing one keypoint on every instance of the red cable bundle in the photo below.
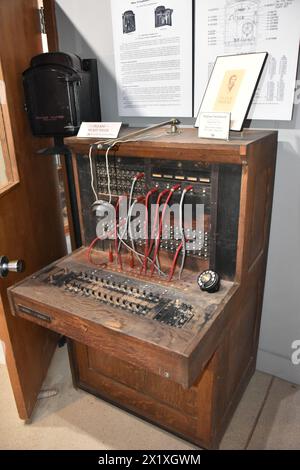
(110, 254)
(138, 199)
(182, 244)
(89, 252)
(161, 195)
(149, 194)
(90, 248)
(119, 257)
(172, 190)
(172, 270)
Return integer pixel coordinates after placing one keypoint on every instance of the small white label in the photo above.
(99, 130)
(214, 125)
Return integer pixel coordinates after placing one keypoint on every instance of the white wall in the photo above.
(85, 28)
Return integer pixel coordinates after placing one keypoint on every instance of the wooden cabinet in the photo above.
(166, 351)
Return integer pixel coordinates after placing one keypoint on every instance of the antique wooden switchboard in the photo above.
(146, 332)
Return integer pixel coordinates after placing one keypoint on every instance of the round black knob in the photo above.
(209, 281)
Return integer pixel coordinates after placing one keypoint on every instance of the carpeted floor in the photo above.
(268, 417)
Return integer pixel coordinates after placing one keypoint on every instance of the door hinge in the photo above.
(42, 20)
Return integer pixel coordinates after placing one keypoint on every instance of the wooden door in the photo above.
(31, 226)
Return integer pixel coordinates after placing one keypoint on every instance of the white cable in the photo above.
(129, 211)
(92, 174)
(130, 231)
(182, 233)
(108, 172)
(112, 144)
(140, 255)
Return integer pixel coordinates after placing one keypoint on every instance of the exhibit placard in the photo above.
(153, 57)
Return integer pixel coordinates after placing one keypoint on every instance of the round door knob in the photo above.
(6, 266)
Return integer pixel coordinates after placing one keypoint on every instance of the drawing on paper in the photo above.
(128, 22)
(241, 23)
(229, 90)
(163, 16)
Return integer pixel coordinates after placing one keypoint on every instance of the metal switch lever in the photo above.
(7, 266)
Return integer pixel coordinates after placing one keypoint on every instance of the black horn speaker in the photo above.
(61, 91)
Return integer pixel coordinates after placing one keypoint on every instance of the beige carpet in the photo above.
(268, 417)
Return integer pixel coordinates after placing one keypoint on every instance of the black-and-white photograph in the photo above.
(163, 16)
(128, 22)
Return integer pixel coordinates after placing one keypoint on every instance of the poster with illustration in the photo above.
(153, 50)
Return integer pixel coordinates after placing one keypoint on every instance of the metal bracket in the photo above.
(174, 127)
(60, 148)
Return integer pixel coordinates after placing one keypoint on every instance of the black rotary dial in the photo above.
(209, 281)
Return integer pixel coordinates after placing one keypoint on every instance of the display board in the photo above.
(153, 57)
(225, 27)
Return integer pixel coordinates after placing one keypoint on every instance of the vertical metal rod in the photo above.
(73, 198)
